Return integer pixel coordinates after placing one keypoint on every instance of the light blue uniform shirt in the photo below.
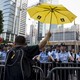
(55, 54)
(77, 56)
(4, 55)
(64, 56)
(0, 55)
(43, 57)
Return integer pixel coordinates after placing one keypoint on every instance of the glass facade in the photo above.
(65, 36)
(8, 14)
(8, 9)
(22, 27)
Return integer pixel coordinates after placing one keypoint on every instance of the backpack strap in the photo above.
(14, 55)
(6, 63)
(20, 50)
(21, 63)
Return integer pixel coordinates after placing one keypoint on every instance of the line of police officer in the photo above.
(59, 54)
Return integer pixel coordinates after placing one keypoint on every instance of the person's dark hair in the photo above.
(20, 40)
(50, 49)
(57, 45)
(62, 44)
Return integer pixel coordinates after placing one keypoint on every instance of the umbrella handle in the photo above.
(50, 22)
(50, 27)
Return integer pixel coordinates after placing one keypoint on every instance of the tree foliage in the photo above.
(1, 22)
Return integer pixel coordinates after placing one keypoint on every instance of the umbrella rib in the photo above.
(38, 12)
(52, 8)
(46, 15)
(54, 12)
(63, 14)
(61, 9)
(55, 16)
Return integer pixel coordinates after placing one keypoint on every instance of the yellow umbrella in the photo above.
(52, 14)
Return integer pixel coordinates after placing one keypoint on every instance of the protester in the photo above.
(18, 66)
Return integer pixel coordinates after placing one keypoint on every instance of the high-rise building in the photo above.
(22, 23)
(14, 16)
(33, 34)
(17, 20)
(8, 8)
(68, 34)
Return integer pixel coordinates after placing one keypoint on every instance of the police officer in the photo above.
(43, 56)
(54, 54)
(63, 57)
(78, 56)
(78, 61)
(54, 57)
(73, 54)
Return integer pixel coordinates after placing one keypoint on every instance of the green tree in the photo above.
(1, 22)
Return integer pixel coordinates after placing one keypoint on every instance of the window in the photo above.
(58, 36)
(7, 37)
(69, 36)
(12, 37)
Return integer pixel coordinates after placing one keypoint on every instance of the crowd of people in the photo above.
(41, 53)
(58, 53)
(4, 48)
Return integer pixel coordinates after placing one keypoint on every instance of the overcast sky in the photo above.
(73, 6)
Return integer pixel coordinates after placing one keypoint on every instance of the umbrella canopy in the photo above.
(51, 14)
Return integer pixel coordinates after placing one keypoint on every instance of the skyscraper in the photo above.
(8, 8)
(14, 16)
(22, 24)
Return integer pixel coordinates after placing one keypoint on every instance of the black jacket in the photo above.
(19, 65)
